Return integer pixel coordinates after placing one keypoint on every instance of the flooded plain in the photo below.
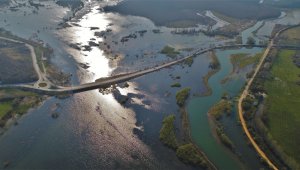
(93, 130)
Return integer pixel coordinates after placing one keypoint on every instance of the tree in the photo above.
(251, 41)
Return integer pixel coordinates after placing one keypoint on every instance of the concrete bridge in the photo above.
(107, 82)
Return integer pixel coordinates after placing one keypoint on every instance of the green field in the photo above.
(16, 102)
(4, 108)
(283, 104)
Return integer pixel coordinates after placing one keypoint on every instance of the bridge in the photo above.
(107, 82)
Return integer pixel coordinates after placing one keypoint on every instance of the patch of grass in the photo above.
(176, 85)
(224, 106)
(182, 95)
(283, 104)
(167, 132)
(5, 107)
(8, 93)
(169, 51)
(188, 154)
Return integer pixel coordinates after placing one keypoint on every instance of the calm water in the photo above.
(198, 108)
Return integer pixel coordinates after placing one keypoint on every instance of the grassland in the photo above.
(5, 107)
(16, 63)
(14, 102)
(282, 104)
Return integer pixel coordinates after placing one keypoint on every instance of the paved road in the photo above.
(104, 83)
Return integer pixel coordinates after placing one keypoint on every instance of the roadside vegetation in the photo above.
(169, 51)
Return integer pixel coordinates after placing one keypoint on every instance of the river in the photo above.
(93, 131)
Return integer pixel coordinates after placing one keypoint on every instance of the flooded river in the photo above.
(94, 131)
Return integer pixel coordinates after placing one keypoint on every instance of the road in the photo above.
(106, 82)
(245, 94)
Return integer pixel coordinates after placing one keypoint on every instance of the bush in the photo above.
(169, 51)
(167, 132)
(176, 85)
(182, 95)
(251, 41)
(188, 154)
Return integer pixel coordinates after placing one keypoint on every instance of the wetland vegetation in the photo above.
(182, 95)
(170, 51)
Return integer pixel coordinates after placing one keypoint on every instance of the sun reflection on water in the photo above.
(96, 60)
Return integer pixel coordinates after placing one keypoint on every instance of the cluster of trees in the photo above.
(187, 153)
